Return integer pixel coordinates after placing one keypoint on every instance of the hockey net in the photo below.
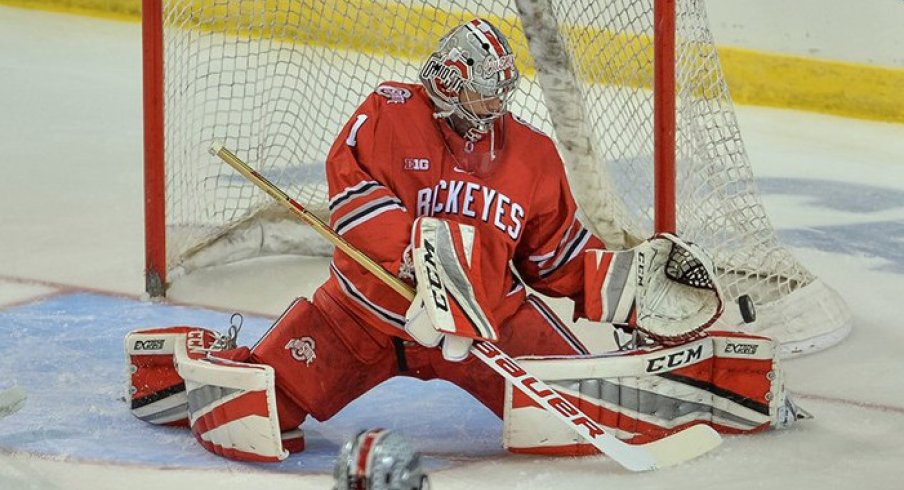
(276, 80)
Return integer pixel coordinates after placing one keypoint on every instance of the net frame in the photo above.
(693, 126)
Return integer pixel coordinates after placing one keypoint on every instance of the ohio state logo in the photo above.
(446, 76)
(302, 350)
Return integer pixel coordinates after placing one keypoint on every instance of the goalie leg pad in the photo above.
(156, 391)
(728, 381)
(232, 407)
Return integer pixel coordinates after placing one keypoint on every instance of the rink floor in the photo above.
(71, 284)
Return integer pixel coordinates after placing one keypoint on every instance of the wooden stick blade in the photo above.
(683, 446)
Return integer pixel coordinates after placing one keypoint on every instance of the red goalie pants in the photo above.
(324, 359)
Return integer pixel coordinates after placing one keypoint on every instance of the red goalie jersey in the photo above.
(394, 161)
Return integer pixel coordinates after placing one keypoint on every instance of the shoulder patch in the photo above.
(396, 95)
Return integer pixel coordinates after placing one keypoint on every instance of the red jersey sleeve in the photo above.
(369, 215)
(550, 255)
(363, 209)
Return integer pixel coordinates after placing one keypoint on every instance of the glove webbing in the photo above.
(685, 268)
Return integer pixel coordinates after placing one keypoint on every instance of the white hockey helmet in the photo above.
(477, 57)
(379, 459)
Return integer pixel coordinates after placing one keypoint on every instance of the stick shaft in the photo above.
(324, 229)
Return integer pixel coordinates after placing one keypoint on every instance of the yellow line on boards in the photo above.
(832, 87)
(753, 77)
(108, 9)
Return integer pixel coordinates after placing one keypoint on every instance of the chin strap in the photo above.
(472, 134)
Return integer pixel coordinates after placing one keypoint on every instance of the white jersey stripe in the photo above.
(356, 190)
(366, 213)
(357, 296)
(572, 250)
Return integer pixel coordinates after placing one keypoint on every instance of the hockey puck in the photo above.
(748, 310)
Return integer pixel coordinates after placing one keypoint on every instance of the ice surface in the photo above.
(71, 264)
(77, 404)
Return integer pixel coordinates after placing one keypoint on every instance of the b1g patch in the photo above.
(396, 95)
(416, 164)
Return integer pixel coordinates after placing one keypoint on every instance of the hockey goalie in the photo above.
(440, 184)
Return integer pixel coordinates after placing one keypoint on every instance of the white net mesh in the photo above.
(276, 79)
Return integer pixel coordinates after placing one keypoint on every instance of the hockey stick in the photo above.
(671, 450)
(12, 400)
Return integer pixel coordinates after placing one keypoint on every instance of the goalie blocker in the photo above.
(729, 381)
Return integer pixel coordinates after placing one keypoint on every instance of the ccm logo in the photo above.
(746, 349)
(155, 344)
(641, 267)
(417, 164)
(436, 285)
(675, 359)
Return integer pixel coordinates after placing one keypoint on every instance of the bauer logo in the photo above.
(743, 349)
(416, 164)
(302, 350)
(155, 344)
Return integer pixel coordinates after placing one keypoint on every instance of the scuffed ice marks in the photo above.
(835, 195)
(882, 237)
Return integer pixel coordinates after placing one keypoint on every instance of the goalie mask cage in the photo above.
(275, 80)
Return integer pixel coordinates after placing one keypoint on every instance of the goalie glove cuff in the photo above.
(664, 287)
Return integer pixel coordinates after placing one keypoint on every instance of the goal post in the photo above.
(631, 91)
(664, 116)
(154, 163)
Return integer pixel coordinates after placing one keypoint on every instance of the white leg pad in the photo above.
(729, 381)
(232, 407)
